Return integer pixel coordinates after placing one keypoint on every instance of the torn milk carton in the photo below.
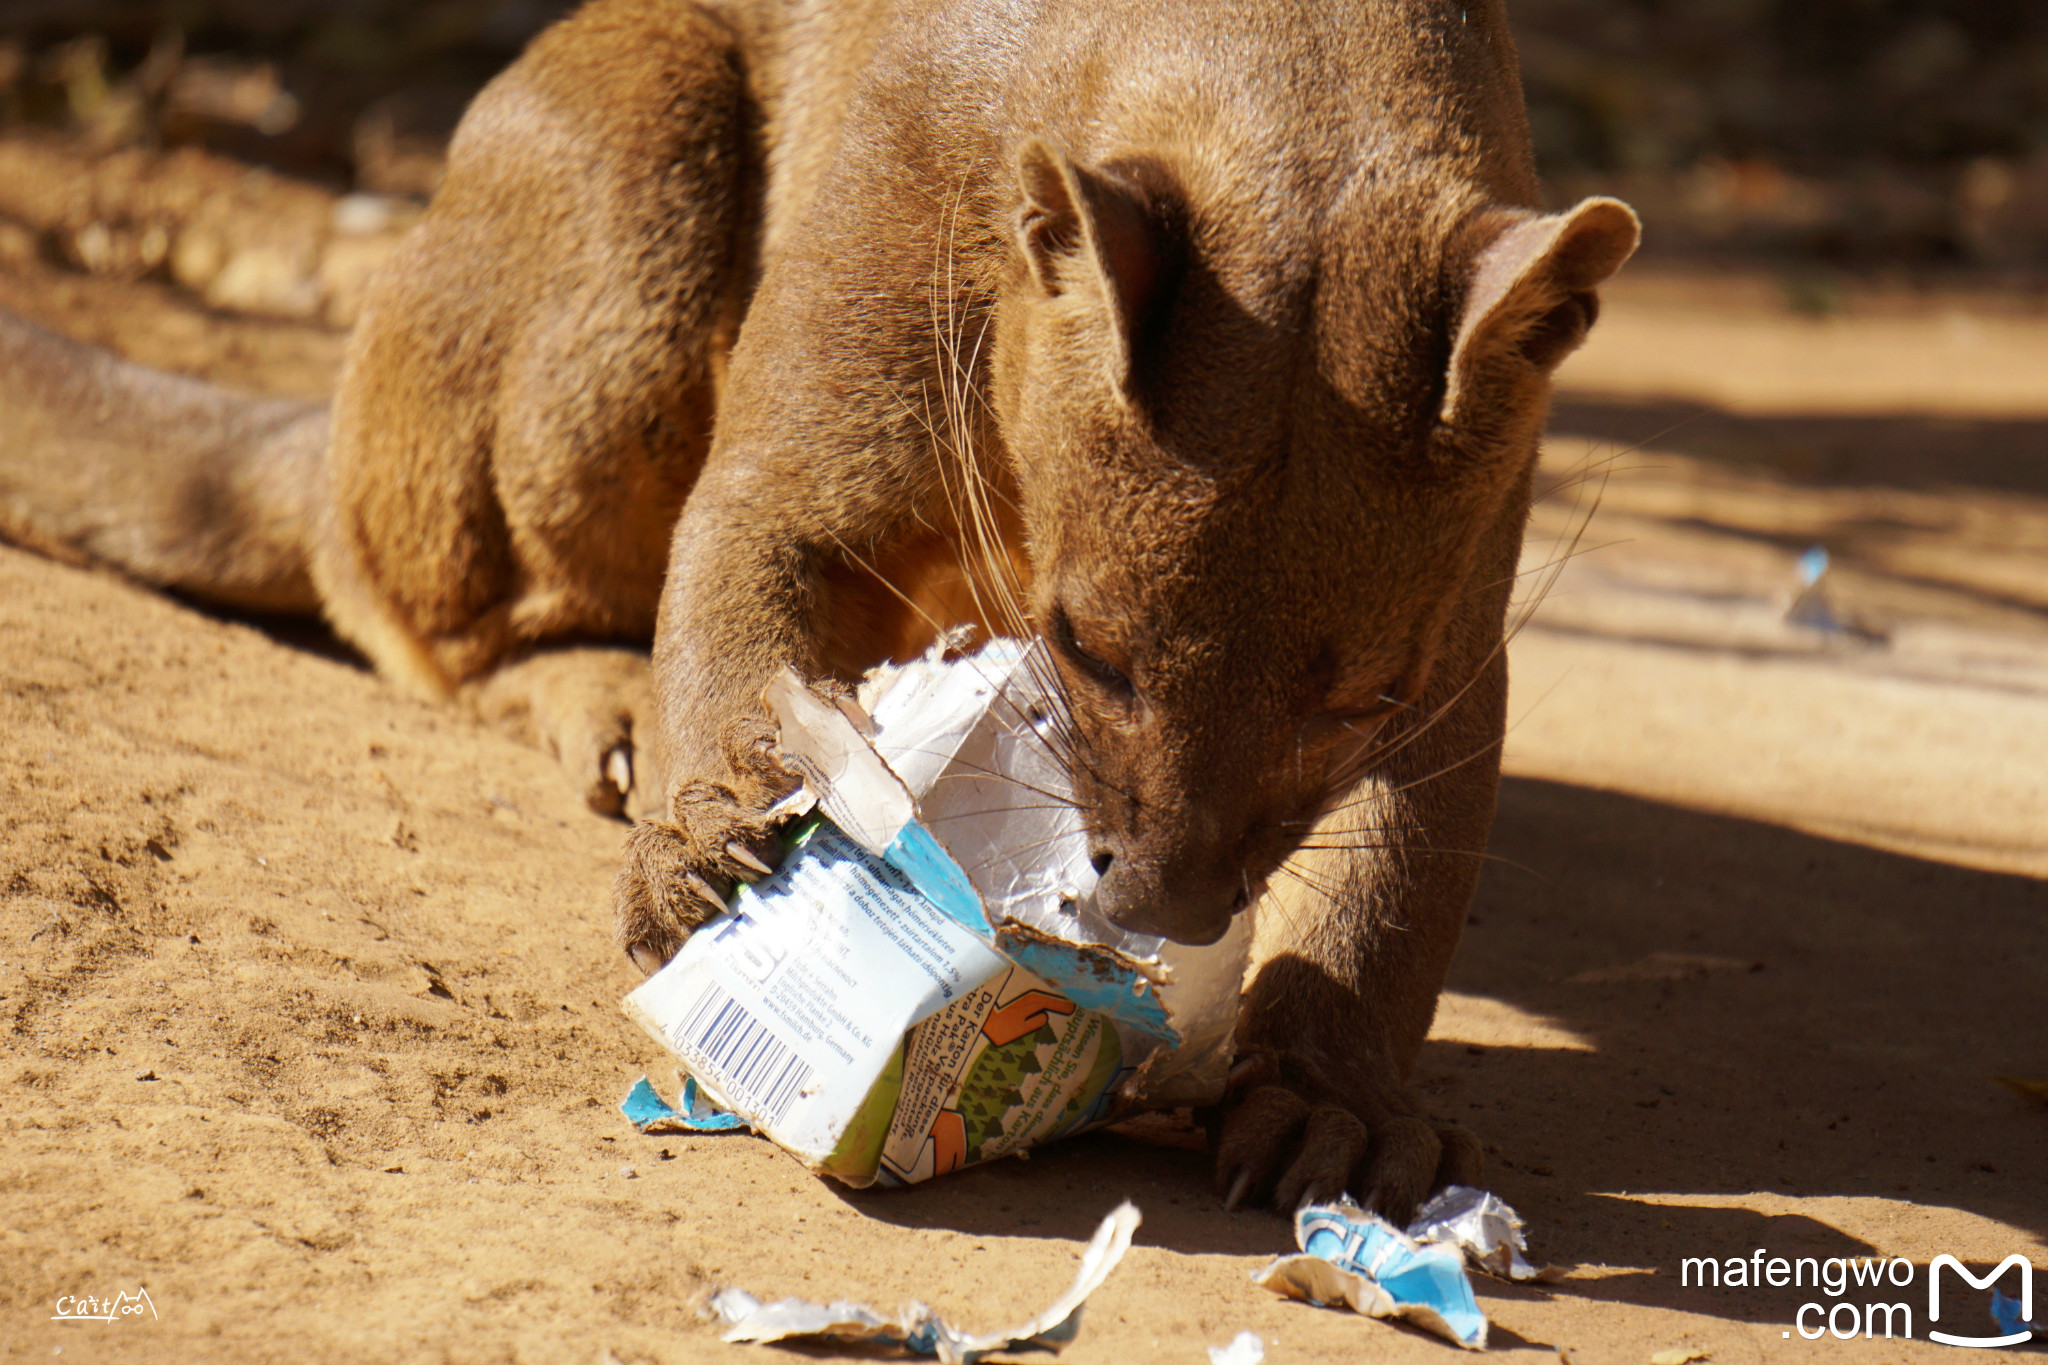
(925, 983)
(1352, 1257)
(1357, 1258)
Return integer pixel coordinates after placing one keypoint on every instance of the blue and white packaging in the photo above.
(1352, 1257)
(924, 983)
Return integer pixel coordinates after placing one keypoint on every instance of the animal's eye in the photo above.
(1103, 672)
(1355, 722)
(1332, 727)
(1400, 695)
(1385, 707)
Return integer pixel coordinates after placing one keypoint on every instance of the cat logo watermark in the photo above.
(2026, 1300)
(93, 1308)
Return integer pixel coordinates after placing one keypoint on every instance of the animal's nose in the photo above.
(1148, 898)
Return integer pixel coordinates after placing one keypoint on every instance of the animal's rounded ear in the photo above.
(1085, 228)
(1049, 228)
(1530, 299)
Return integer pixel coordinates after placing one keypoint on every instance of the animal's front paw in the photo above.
(680, 872)
(1287, 1136)
(593, 709)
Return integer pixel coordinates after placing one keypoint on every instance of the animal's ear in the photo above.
(1084, 229)
(1530, 299)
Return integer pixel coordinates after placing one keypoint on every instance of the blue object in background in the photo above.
(1812, 565)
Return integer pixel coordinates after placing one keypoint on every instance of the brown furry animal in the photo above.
(1210, 342)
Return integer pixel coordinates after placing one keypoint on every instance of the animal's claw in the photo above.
(680, 871)
(1315, 1192)
(747, 858)
(593, 709)
(706, 891)
(1286, 1138)
(618, 766)
(1244, 1155)
(1333, 1144)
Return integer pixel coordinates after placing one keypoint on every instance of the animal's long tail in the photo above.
(175, 482)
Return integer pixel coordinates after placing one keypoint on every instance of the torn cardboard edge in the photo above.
(650, 1114)
(931, 782)
(924, 983)
(917, 1329)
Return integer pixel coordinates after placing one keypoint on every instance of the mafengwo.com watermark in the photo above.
(1876, 1296)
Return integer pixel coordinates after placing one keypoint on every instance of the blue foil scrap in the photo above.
(647, 1111)
(1351, 1257)
(2011, 1316)
(917, 1330)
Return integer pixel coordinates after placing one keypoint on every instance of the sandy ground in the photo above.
(311, 1021)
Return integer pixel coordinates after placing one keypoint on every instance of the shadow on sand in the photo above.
(1998, 455)
(1834, 1035)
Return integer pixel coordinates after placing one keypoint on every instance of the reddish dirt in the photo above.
(312, 1013)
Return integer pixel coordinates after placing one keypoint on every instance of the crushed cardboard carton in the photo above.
(916, 1329)
(1357, 1258)
(924, 982)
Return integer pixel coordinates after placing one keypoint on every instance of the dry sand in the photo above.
(313, 1024)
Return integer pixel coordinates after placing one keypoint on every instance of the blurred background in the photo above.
(1843, 284)
(1826, 139)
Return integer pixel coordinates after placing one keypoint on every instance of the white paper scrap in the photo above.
(1478, 1223)
(917, 1330)
(1246, 1348)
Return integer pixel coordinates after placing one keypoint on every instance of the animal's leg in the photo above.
(740, 607)
(1352, 952)
(593, 709)
(821, 515)
(529, 394)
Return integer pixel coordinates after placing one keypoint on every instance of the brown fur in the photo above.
(1210, 342)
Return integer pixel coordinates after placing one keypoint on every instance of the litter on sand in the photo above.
(1246, 1348)
(1814, 609)
(916, 1329)
(1356, 1258)
(2011, 1316)
(647, 1111)
(1359, 1259)
(1491, 1234)
(925, 983)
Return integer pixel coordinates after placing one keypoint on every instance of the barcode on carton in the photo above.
(756, 1069)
